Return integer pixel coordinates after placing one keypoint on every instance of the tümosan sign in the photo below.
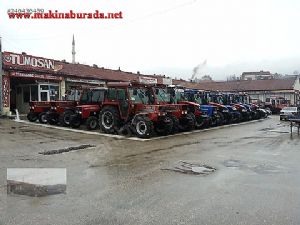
(11, 59)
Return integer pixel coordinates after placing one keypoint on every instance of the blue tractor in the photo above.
(200, 97)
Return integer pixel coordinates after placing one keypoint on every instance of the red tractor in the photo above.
(275, 104)
(38, 111)
(183, 114)
(178, 96)
(87, 110)
(60, 111)
(135, 107)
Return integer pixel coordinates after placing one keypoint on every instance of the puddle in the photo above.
(68, 149)
(257, 168)
(191, 168)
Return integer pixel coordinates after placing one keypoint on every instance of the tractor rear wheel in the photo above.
(143, 127)
(64, 119)
(43, 117)
(164, 126)
(32, 116)
(109, 120)
(92, 123)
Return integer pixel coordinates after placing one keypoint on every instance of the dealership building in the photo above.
(28, 78)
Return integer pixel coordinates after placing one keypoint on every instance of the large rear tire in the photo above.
(109, 120)
(143, 127)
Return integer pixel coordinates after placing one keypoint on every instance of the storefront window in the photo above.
(34, 93)
(53, 92)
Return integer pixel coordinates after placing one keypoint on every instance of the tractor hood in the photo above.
(189, 103)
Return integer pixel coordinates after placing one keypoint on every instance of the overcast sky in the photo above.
(166, 37)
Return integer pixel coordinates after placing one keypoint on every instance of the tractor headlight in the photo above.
(32, 107)
(78, 111)
(184, 112)
(53, 108)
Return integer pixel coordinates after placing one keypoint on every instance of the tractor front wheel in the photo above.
(221, 119)
(32, 116)
(92, 123)
(64, 119)
(200, 122)
(143, 127)
(53, 120)
(187, 123)
(175, 121)
(43, 118)
(164, 126)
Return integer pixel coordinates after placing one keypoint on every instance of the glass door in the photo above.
(44, 96)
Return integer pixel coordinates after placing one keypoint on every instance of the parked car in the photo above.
(289, 112)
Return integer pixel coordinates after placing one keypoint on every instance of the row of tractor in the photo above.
(145, 110)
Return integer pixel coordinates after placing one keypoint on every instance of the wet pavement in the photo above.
(118, 181)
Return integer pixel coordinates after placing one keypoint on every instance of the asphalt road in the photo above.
(124, 182)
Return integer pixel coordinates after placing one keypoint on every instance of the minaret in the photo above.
(73, 50)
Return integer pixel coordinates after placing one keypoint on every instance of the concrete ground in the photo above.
(123, 181)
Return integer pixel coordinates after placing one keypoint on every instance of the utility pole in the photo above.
(1, 94)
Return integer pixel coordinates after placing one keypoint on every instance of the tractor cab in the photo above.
(219, 100)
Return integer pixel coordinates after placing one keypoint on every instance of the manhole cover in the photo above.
(191, 168)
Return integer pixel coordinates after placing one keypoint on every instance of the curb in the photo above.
(120, 137)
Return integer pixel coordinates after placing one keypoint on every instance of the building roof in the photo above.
(257, 73)
(81, 71)
(241, 85)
